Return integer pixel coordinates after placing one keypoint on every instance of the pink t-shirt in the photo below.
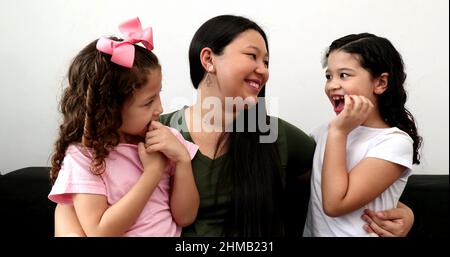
(123, 169)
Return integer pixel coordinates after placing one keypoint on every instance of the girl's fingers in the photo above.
(151, 141)
(151, 134)
(156, 125)
(359, 103)
(348, 103)
(153, 148)
(364, 104)
(367, 104)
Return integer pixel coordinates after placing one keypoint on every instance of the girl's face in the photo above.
(345, 76)
(142, 108)
(242, 69)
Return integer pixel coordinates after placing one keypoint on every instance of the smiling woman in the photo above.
(246, 58)
(295, 45)
(246, 187)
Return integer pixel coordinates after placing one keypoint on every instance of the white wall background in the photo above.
(39, 38)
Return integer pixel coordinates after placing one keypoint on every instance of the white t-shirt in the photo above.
(389, 144)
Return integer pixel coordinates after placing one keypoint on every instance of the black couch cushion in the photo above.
(25, 208)
(427, 196)
(26, 211)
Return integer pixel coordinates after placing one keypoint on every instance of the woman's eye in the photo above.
(327, 76)
(252, 55)
(344, 75)
(148, 103)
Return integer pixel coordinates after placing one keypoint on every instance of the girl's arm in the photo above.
(66, 222)
(184, 200)
(97, 218)
(343, 191)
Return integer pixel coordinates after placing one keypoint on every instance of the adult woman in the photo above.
(245, 186)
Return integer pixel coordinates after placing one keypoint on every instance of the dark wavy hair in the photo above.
(252, 173)
(377, 55)
(91, 104)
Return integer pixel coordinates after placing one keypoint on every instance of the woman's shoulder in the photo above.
(293, 139)
(175, 119)
(166, 118)
(291, 131)
(296, 148)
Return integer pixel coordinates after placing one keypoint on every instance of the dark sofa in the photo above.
(26, 211)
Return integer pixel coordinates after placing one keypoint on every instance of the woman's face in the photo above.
(242, 69)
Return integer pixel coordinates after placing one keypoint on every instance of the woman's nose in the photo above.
(263, 70)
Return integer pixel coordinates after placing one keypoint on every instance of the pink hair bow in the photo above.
(122, 52)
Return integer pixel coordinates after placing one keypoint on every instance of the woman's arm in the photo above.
(393, 222)
(296, 150)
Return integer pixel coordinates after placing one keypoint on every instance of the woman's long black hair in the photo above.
(252, 173)
(377, 55)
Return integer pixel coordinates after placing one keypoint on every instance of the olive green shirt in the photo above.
(296, 152)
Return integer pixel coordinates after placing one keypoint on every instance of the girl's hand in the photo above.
(355, 112)
(151, 159)
(389, 223)
(160, 138)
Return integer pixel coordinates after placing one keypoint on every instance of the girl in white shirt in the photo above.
(365, 154)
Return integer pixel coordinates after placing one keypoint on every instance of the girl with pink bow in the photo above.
(247, 188)
(123, 171)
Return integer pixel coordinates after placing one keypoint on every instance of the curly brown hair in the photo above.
(91, 104)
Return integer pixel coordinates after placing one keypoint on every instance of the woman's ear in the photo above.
(206, 58)
(381, 83)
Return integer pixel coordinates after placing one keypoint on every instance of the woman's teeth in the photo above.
(253, 84)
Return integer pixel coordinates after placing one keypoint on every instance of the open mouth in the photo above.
(255, 85)
(338, 103)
